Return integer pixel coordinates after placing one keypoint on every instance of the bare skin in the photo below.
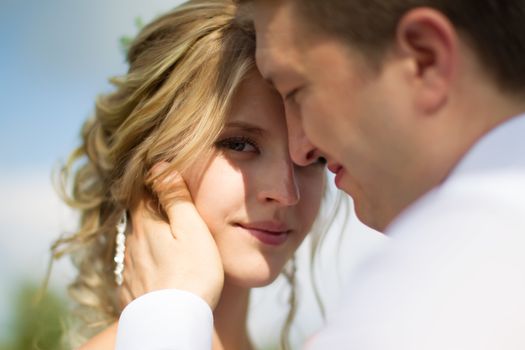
(390, 133)
(182, 240)
(431, 91)
(218, 210)
(229, 304)
(153, 238)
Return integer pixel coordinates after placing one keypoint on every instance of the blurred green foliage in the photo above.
(125, 41)
(36, 324)
(39, 322)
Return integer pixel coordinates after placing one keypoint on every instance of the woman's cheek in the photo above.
(219, 193)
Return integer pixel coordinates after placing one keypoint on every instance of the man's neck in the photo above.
(470, 116)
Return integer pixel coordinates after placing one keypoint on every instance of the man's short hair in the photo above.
(495, 29)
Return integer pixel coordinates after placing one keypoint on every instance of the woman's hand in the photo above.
(181, 255)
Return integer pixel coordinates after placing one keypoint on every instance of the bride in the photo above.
(191, 121)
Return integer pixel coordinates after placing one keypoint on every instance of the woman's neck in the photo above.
(230, 316)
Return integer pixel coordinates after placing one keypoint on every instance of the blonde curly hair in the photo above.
(184, 69)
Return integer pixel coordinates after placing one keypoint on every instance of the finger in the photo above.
(146, 210)
(168, 185)
(174, 197)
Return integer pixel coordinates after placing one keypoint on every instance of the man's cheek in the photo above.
(318, 129)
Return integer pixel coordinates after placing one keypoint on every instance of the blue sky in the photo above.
(56, 57)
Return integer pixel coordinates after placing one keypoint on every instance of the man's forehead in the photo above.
(276, 36)
(275, 61)
(273, 23)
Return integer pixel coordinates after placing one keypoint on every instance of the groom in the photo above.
(419, 107)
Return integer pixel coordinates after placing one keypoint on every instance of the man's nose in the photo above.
(302, 151)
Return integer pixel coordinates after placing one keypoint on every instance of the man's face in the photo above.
(335, 100)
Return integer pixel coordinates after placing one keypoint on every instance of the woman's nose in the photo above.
(279, 184)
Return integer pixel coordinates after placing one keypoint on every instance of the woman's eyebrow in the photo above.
(247, 127)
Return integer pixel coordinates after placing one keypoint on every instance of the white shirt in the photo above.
(166, 319)
(451, 276)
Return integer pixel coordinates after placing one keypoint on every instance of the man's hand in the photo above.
(181, 255)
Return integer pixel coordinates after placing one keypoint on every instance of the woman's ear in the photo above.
(429, 41)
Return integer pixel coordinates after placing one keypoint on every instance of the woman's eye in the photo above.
(238, 144)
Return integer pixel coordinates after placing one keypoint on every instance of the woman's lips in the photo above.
(271, 233)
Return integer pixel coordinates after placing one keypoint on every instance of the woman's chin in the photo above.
(251, 279)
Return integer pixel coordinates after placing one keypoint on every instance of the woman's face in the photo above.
(258, 205)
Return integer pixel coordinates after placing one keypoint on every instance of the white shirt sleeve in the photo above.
(166, 320)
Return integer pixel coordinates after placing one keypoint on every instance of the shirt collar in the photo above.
(502, 148)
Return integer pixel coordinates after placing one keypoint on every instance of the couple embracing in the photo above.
(213, 148)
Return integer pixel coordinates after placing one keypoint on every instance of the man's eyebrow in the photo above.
(247, 127)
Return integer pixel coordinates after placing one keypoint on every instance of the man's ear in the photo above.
(430, 43)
